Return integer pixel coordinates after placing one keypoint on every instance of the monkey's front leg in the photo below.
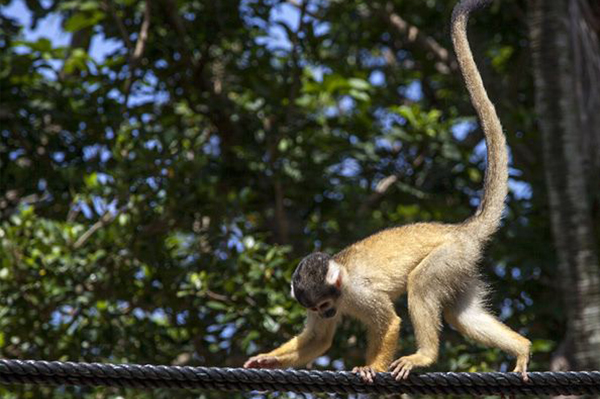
(296, 352)
(314, 340)
(382, 341)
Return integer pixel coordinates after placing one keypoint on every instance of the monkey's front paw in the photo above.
(262, 362)
(366, 373)
(401, 368)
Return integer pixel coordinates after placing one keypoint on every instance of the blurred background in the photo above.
(164, 164)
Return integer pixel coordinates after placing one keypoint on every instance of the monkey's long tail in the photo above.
(486, 219)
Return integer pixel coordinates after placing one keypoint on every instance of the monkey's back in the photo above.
(386, 258)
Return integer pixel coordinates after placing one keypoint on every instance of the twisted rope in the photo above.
(230, 379)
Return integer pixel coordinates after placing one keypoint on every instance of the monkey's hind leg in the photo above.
(430, 285)
(470, 317)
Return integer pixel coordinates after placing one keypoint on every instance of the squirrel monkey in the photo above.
(434, 263)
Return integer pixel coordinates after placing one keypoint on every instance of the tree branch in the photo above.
(108, 6)
(221, 106)
(140, 44)
(380, 189)
(414, 36)
(103, 221)
(138, 52)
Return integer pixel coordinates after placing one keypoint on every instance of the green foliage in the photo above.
(165, 230)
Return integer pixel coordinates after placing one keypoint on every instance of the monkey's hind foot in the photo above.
(401, 368)
(521, 367)
(366, 373)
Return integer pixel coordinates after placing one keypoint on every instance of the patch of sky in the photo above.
(377, 78)
(516, 273)
(212, 146)
(146, 118)
(147, 91)
(461, 129)
(228, 331)
(153, 144)
(348, 167)
(115, 94)
(413, 91)
(506, 309)
(321, 28)
(85, 209)
(388, 119)
(50, 27)
(58, 156)
(139, 313)
(14, 155)
(248, 15)
(323, 361)
(225, 345)
(214, 328)
(235, 237)
(277, 38)
(383, 143)
(318, 71)
(526, 298)
(338, 365)
(158, 315)
(479, 153)
(182, 317)
(346, 104)
(157, 284)
(331, 112)
(140, 274)
(153, 183)
(520, 189)
(56, 318)
(102, 206)
(100, 151)
(63, 315)
(102, 48)
(122, 305)
(334, 195)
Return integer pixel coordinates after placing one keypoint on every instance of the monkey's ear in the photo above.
(334, 275)
(292, 291)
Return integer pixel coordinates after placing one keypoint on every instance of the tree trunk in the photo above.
(567, 83)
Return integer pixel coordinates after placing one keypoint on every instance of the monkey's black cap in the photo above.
(309, 280)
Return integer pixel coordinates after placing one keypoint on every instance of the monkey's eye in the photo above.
(324, 305)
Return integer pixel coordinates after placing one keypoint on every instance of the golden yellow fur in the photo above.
(434, 263)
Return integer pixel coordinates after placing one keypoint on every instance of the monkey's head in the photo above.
(316, 284)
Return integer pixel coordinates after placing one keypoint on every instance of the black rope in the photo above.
(230, 379)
